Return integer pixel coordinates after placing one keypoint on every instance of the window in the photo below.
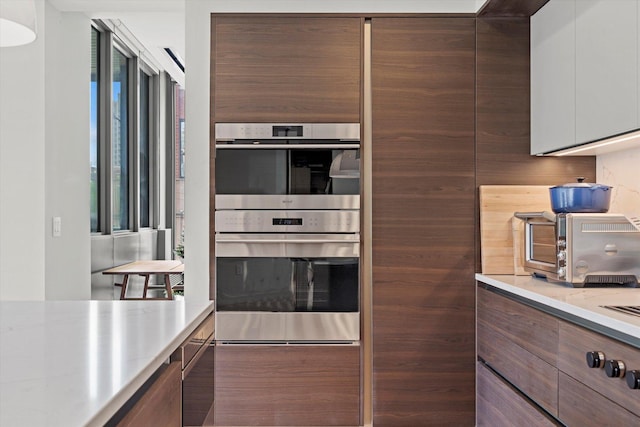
(178, 109)
(126, 135)
(93, 140)
(144, 149)
(120, 140)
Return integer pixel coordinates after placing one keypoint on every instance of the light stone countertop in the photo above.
(75, 363)
(581, 303)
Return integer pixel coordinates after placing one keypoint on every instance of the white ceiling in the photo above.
(157, 24)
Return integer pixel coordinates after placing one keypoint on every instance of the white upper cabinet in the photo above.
(584, 72)
(606, 68)
(553, 70)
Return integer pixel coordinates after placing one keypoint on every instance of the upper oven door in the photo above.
(269, 166)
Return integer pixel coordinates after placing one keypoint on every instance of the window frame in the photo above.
(99, 125)
(153, 135)
(108, 40)
(132, 135)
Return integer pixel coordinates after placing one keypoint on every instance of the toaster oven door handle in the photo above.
(549, 216)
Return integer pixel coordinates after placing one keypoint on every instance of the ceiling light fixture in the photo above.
(17, 22)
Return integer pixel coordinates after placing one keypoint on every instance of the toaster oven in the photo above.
(582, 249)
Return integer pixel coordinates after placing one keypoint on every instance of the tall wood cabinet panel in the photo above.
(423, 71)
(287, 385)
(286, 69)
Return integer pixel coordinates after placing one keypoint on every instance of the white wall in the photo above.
(44, 161)
(67, 66)
(22, 168)
(197, 40)
(621, 170)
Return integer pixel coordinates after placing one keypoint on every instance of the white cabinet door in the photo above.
(585, 74)
(606, 58)
(553, 107)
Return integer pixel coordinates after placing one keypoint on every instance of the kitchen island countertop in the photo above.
(75, 363)
(581, 305)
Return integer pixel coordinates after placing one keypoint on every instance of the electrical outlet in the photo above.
(57, 226)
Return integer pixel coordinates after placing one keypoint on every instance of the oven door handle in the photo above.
(354, 240)
(259, 146)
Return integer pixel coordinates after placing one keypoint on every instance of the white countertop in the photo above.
(583, 303)
(75, 363)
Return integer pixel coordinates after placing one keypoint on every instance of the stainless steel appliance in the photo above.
(582, 249)
(292, 166)
(287, 275)
(287, 232)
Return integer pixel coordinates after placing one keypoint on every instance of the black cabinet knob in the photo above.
(614, 368)
(595, 359)
(633, 379)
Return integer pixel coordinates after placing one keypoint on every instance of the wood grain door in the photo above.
(287, 385)
(423, 76)
(161, 403)
(502, 405)
(286, 69)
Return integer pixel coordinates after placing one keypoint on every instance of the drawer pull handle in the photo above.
(633, 379)
(614, 368)
(595, 359)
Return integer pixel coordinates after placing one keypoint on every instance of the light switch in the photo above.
(57, 226)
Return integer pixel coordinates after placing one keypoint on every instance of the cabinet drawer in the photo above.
(581, 406)
(531, 329)
(532, 375)
(499, 404)
(575, 342)
(295, 385)
(160, 404)
(201, 336)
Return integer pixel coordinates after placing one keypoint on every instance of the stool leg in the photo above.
(146, 286)
(123, 292)
(167, 284)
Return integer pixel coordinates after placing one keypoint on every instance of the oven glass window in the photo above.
(286, 171)
(543, 244)
(287, 284)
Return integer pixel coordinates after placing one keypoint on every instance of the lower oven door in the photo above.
(287, 287)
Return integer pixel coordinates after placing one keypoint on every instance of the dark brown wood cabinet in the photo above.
(286, 69)
(160, 404)
(196, 355)
(287, 385)
(499, 404)
(423, 198)
(542, 357)
(521, 343)
(621, 401)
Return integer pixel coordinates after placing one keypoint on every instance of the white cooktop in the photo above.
(75, 363)
(583, 303)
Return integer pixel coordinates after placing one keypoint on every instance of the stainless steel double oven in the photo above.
(287, 232)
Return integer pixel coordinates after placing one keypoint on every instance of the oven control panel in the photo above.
(269, 221)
